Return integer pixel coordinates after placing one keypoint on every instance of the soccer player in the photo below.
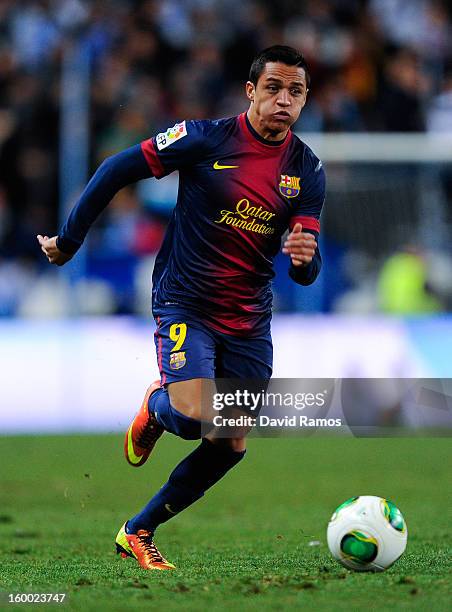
(243, 182)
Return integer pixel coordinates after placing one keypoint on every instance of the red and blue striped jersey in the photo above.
(238, 194)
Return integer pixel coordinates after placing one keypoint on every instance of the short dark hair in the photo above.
(277, 53)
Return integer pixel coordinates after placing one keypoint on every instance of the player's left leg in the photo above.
(188, 482)
(141, 546)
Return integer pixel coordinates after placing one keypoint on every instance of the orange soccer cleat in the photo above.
(143, 433)
(141, 547)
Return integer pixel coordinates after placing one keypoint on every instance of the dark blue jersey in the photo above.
(237, 196)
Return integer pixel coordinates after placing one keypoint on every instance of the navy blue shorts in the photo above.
(187, 348)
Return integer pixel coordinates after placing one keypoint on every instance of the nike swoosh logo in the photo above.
(132, 457)
(218, 166)
(167, 507)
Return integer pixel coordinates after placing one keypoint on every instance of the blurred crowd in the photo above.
(376, 65)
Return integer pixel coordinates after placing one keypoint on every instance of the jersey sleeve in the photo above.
(179, 146)
(308, 209)
(112, 175)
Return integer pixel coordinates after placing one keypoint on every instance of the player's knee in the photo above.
(186, 406)
(185, 397)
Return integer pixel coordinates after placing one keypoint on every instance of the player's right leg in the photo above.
(185, 354)
(143, 432)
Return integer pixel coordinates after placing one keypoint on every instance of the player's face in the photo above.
(277, 99)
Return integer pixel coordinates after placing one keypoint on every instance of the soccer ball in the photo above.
(367, 533)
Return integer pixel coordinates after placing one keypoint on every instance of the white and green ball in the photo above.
(367, 533)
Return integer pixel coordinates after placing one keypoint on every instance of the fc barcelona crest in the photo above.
(289, 186)
(177, 360)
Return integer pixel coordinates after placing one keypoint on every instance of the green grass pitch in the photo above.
(245, 545)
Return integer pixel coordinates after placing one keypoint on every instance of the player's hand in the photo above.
(51, 251)
(300, 246)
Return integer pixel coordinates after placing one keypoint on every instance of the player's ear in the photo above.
(250, 90)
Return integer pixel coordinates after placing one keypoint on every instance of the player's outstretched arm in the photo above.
(51, 251)
(112, 175)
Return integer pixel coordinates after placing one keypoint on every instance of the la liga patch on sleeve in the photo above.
(172, 134)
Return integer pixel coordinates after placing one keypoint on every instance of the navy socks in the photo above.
(200, 470)
(171, 419)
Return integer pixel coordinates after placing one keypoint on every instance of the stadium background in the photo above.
(83, 80)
